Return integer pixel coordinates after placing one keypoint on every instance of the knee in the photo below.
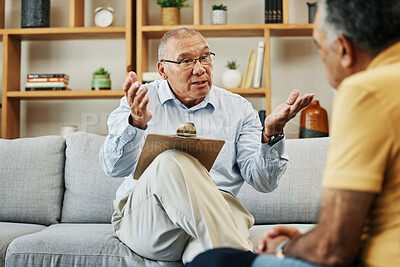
(173, 166)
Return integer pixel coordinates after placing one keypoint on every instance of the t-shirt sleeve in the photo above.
(360, 146)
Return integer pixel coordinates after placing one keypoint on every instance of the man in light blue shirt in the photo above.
(177, 209)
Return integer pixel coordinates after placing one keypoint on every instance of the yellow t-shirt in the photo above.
(364, 153)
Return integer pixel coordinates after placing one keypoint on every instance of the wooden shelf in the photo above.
(62, 95)
(12, 40)
(291, 30)
(235, 30)
(66, 33)
(256, 92)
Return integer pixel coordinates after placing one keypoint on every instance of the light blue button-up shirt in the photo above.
(221, 115)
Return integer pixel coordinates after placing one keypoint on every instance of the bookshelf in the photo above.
(146, 32)
(13, 92)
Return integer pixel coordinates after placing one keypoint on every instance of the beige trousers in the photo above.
(176, 212)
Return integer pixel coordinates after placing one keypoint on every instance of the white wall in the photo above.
(295, 63)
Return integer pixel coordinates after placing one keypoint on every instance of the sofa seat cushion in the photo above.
(258, 231)
(89, 192)
(297, 198)
(32, 179)
(75, 245)
(10, 231)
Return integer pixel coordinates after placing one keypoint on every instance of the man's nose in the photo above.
(198, 68)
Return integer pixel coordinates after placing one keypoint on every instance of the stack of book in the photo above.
(273, 11)
(254, 68)
(46, 82)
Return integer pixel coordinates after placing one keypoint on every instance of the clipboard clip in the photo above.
(186, 129)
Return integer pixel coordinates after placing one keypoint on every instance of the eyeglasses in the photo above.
(191, 62)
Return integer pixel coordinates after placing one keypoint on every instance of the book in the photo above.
(55, 79)
(46, 84)
(48, 75)
(279, 12)
(259, 65)
(205, 150)
(251, 70)
(267, 16)
(247, 69)
(46, 89)
(273, 11)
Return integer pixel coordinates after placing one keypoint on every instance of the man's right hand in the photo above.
(138, 101)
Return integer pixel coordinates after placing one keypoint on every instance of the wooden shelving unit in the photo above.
(146, 32)
(12, 38)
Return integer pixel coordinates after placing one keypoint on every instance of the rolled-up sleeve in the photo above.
(263, 169)
(121, 149)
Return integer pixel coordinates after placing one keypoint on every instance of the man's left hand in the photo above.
(276, 121)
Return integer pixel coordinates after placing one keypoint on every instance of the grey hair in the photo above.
(331, 31)
(174, 33)
(373, 25)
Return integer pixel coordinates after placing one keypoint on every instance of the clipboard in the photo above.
(205, 150)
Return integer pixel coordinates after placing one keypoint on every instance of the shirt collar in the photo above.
(165, 93)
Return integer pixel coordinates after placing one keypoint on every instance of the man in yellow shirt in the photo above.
(359, 44)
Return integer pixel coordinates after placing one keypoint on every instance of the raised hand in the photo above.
(276, 121)
(137, 101)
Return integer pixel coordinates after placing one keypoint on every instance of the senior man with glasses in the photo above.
(177, 209)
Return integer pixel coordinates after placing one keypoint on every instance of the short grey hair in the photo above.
(331, 31)
(372, 25)
(172, 34)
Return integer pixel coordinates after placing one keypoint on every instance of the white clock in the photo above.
(103, 16)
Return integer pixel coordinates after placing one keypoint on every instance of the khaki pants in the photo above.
(176, 212)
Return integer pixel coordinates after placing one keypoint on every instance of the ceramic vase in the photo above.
(219, 17)
(312, 9)
(231, 78)
(170, 16)
(314, 121)
(35, 13)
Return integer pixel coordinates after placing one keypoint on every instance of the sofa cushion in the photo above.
(297, 198)
(10, 231)
(32, 179)
(75, 245)
(258, 231)
(89, 192)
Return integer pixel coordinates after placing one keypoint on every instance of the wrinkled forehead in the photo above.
(187, 46)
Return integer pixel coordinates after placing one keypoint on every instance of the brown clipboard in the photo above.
(205, 150)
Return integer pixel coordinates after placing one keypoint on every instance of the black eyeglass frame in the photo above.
(180, 62)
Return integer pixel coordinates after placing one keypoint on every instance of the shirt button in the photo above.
(273, 150)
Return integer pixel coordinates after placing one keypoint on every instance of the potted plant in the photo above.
(170, 11)
(101, 79)
(219, 14)
(232, 77)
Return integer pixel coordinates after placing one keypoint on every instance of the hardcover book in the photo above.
(48, 75)
(46, 89)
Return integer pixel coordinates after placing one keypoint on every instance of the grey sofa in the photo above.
(56, 202)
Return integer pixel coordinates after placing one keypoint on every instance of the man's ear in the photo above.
(346, 51)
(161, 70)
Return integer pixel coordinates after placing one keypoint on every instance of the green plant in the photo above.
(232, 65)
(172, 3)
(101, 71)
(220, 7)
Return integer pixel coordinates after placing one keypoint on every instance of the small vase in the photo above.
(170, 16)
(101, 82)
(35, 13)
(312, 9)
(219, 17)
(314, 121)
(231, 79)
